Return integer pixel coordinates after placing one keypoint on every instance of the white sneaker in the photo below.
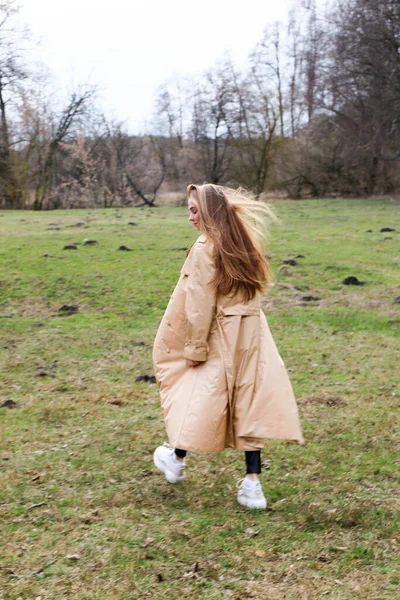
(166, 461)
(251, 496)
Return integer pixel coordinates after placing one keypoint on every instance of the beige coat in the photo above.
(241, 394)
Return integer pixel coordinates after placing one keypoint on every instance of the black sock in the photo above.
(180, 453)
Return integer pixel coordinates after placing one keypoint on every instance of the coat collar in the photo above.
(201, 240)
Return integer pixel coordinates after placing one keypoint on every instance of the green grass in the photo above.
(82, 435)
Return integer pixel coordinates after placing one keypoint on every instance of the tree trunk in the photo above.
(43, 189)
(6, 169)
(373, 175)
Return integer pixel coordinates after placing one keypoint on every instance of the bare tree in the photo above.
(266, 60)
(254, 137)
(71, 115)
(294, 70)
(170, 122)
(12, 73)
(212, 120)
(141, 160)
(363, 90)
(313, 53)
(170, 110)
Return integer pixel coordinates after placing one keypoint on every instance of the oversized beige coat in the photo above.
(241, 393)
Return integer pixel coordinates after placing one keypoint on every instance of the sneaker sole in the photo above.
(169, 476)
(253, 504)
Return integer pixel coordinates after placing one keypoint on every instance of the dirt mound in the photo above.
(323, 398)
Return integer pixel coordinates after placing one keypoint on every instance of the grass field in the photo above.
(83, 513)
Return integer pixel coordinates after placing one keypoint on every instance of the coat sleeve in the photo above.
(200, 302)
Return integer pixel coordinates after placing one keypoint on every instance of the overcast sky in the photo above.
(129, 47)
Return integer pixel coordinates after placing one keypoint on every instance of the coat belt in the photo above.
(242, 311)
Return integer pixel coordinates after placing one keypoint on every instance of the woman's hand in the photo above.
(192, 363)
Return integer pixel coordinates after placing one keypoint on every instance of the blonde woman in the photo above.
(222, 382)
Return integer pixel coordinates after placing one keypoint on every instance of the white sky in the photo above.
(129, 47)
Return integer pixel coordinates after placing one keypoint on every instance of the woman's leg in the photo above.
(250, 492)
(253, 464)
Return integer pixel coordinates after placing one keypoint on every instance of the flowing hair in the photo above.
(235, 222)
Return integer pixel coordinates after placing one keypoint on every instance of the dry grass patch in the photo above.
(324, 399)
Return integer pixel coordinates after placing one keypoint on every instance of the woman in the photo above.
(222, 382)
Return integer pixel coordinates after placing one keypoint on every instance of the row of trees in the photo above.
(316, 112)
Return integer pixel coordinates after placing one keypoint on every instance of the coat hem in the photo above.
(240, 447)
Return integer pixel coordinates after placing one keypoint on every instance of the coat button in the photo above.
(164, 345)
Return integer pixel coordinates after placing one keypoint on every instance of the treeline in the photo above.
(315, 113)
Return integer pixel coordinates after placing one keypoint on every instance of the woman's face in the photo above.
(194, 215)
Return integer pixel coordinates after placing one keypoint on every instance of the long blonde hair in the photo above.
(235, 222)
